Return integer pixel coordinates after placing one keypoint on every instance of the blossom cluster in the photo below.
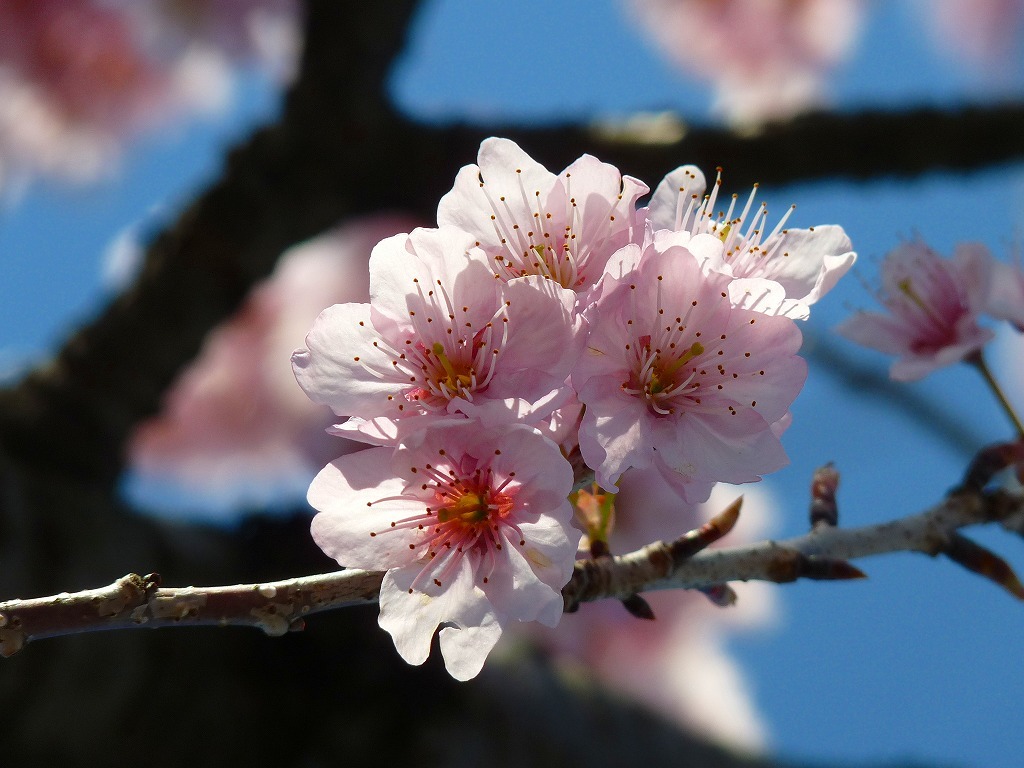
(549, 317)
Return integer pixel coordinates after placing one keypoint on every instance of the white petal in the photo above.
(405, 270)
(342, 491)
(329, 369)
(809, 262)
(672, 196)
(412, 618)
(465, 649)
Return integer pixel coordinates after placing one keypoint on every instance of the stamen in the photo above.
(442, 357)
(695, 349)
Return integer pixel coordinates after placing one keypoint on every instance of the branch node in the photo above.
(638, 607)
(694, 541)
(983, 562)
(828, 569)
(721, 595)
(989, 462)
(824, 509)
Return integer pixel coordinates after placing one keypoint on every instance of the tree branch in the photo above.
(137, 601)
(868, 144)
(277, 607)
(821, 554)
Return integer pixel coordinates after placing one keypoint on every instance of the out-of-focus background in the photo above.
(920, 662)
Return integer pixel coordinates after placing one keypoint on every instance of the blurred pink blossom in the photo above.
(73, 79)
(933, 308)
(80, 77)
(767, 59)
(265, 32)
(235, 428)
(986, 33)
(677, 664)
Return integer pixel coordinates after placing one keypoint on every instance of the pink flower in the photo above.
(234, 428)
(73, 78)
(933, 307)
(85, 56)
(80, 77)
(531, 222)
(264, 31)
(439, 331)
(767, 59)
(983, 32)
(676, 378)
(779, 272)
(471, 524)
(1006, 298)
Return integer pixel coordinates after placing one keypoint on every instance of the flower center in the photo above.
(467, 503)
(655, 374)
(443, 355)
(664, 370)
(547, 237)
(930, 300)
(749, 247)
(468, 508)
(454, 381)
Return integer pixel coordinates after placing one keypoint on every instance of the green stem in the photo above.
(979, 362)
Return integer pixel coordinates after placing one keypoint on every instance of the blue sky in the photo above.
(921, 661)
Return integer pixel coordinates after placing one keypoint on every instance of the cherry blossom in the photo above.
(781, 271)
(472, 525)
(531, 222)
(676, 378)
(767, 59)
(234, 428)
(495, 346)
(983, 32)
(439, 331)
(243, 31)
(933, 308)
(1006, 298)
(78, 78)
(71, 73)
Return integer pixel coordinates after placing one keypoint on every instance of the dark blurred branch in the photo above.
(865, 145)
(325, 159)
(339, 150)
